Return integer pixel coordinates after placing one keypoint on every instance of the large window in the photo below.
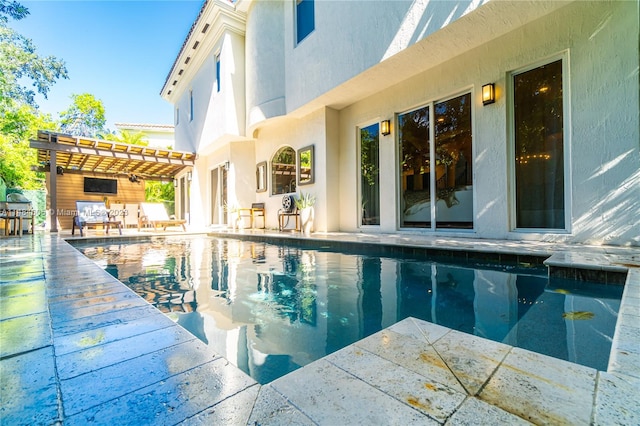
(283, 171)
(437, 179)
(305, 21)
(539, 147)
(370, 175)
(217, 73)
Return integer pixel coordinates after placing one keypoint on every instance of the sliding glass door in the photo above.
(437, 179)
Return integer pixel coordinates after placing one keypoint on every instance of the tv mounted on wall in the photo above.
(103, 186)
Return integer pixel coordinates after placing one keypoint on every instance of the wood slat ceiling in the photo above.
(78, 154)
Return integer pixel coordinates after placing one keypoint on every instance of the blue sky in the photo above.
(119, 51)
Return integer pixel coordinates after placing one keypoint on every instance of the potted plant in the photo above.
(233, 215)
(305, 203)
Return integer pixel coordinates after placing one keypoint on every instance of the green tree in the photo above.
(85, 116)
(19, 117)
(126, 136)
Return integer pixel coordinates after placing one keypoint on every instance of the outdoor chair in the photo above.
(255, 211)
(93, 213)
(131, 218)
(155, 215)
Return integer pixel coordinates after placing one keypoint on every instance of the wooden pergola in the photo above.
(64, 153)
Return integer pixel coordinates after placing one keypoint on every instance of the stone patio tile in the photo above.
(419, 329)
(331, 396)
(23, 334)
(58, 308)
(102, 320)
(111, 333)
(542, 389)
(172, 399)
(625, 351)
(472, 359)
(428, 396)
(28, 389)
(273, 409)
(21, 273)
(475, 412)
(105, 384)
(617, 400)
(234, 410)
(86, 292)
(103, 355)
(18, 289)
(414, 354)
(120, 301)
(26, 304)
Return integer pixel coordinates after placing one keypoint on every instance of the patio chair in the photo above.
(155, 215)
(255, 211)
(93, 213)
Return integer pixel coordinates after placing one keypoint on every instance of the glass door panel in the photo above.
(453, 165)
(539, 143)
(415, 170)
(370, 175)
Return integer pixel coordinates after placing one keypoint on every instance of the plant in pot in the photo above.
(305, 203)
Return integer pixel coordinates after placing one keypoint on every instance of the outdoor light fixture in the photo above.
(226, 165)
(133, 179)
(59, 170)
(189, 176)
(385, 127)
(488, 94)
(175, 183)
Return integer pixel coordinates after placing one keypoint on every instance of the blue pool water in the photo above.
(271, 309)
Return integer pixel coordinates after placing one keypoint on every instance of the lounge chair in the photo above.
(155, 215)
(93, 213)
(132, 217)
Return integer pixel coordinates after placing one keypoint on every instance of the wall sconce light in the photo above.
(59, 170)
(385, 127)
(226, 165)
(133, 179)
(175, 183)
(488, 94)
(189, 176)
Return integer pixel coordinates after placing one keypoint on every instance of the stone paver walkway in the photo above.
(78, 347)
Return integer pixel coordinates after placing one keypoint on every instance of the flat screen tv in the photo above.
(103, 186)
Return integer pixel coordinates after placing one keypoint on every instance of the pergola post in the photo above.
(53, 190)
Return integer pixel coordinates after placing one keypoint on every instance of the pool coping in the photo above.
(275, 403)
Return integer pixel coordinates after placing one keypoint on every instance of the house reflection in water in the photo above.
(270, 309)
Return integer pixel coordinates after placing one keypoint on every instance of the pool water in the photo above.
(271, 309)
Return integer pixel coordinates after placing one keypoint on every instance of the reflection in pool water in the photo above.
(270, 309)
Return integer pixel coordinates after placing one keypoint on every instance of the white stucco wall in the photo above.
(602, 122)
(265, 61)
(215, 113)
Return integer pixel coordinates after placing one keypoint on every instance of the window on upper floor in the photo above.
(218, 73)
(305, 21)
(190, 105)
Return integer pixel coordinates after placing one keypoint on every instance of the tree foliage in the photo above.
(19, 117)
(85, 116)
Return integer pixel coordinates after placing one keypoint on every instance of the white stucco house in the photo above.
(493, 119)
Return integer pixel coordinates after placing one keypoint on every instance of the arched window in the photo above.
(283, 171)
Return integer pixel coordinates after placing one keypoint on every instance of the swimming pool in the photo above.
(271, 308)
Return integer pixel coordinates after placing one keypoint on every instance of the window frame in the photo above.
(298, 17)
(191, 105)
(566, 145)
(271, 162)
